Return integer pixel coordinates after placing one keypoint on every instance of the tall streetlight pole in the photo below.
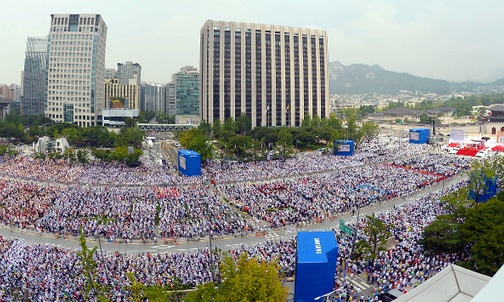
(355, 232)
(210, 245)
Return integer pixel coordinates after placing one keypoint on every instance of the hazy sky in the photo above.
(454, 40)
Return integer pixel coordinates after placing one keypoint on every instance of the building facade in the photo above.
(152, 97)
(34, 76)
(110, 73)
(171, 100)
(128, 71)
(187, 85)
(274, 74)
(120, 96)
(76, 68)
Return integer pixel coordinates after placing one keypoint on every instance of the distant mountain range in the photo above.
(361, 79)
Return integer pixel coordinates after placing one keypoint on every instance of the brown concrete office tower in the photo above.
(76, 69)
(273, 74)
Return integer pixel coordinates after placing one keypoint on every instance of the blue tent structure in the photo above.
(419, 136)
(317, 255)
(343, 147)
(189, 162)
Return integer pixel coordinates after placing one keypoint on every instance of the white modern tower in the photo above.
(76, 68)
(274, 74)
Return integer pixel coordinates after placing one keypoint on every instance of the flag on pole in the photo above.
(288, 107)
(267, 108)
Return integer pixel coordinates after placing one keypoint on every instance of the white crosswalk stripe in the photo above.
(357, 282)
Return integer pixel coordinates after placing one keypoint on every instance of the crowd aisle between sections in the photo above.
(50, 273)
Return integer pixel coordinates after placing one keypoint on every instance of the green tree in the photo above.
(284, 141)
(39, 155)
(230, 125)
(243, 123)
(352, 130)
(102, 154)
(69, 154)
(306, 120)
(364, 110)
(130, 122)
(145, 116)
(482, 230)
(205, 292)
(216, 128)
(7, 150)
(368, 131)
(377, 233)
(194, 139)
(335, 123)
(90, 272)
(130, 137)
(245, 280)
(443, 235)
(315, 122)
(206, 128)
(83, 156)
(239, 144)
(121, 154)
(73, 135)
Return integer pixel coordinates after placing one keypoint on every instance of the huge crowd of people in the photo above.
(319, 197)
(49, 273)
(113, 201)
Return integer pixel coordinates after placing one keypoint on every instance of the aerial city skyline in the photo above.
(275, 75)
(421, 39)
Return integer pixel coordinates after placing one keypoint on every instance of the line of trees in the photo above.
(473, 229)
(236, 138)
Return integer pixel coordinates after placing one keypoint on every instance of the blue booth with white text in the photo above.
(317, 255)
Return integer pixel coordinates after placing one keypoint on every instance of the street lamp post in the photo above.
(210, 245)
(103, 259)
(355, 232)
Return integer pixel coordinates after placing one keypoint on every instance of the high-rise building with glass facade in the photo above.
(187, 84)
(76, 68)
(274, 74)
(128, 71)
(34, 76)
(152, 97)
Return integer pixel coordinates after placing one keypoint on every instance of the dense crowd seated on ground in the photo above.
(322, 196)
(110, 200)
(196, 211)
(130, 212)
(49, 273)
(26, 167)
(125, 213)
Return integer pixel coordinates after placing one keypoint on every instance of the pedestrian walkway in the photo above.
(358, 283)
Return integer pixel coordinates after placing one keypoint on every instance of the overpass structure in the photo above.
(164, 127)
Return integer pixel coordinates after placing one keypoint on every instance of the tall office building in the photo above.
(273, 74)
(110, 73)
(187, 84)
(152, 97)
(34, 76)
(128, 71)
(171, 100)
(76, 68)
